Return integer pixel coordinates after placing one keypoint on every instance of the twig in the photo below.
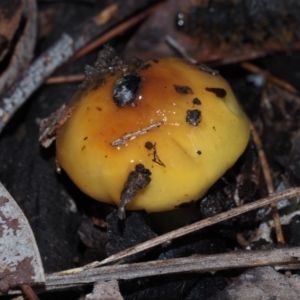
(281, 83)
(179, 49)
(195, 263)
(65, 79)
(290, 193)
(115, 32)
(133, 135)
(31, 79)
(182, 52)
(29, 292)
(269, 182)
(278, 258)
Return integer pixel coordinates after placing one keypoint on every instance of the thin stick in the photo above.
(195, 263)
(133, 135)
(179, 49)
(115, 32)
(281, 83)
(65, 79)
(290, 193)
(33, 77)
(29, 292)
(269, 182)
(279, 258)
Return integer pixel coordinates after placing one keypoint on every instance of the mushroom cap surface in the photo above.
(188, 130)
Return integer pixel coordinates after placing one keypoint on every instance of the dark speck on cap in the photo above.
(183, 89)
(149, 145)
(221, 93)
(193, 117)
(196, 101)
(126, 88)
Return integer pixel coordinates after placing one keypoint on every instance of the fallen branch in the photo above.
(195, 263)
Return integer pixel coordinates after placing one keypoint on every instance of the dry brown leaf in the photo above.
(22, 51)
(10, 17)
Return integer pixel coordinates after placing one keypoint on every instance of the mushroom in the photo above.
(176, 123)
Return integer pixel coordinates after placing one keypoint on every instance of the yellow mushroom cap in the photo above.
(187, 126)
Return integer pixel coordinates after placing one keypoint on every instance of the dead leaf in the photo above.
(150, 40)
(262, 283)
(10, 18)
(105, 290)
(20, 261)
